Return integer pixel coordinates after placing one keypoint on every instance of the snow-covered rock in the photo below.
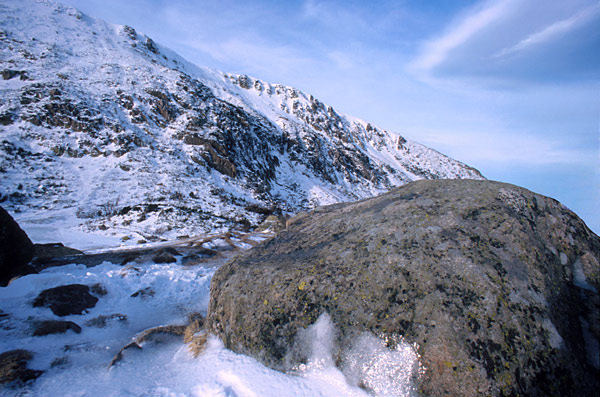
(104, 131)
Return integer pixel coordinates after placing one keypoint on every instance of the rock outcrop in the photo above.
(496, 286)
(16, 249)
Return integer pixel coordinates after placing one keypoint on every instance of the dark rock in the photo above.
(496, 286)
(66, 299)
(8, 74)
(16, 250)
(164, 257)
(55, 327)
(151, 46)
(6, 119)
(54, 250)
(200, 255)
(170, 250)
(13, 367)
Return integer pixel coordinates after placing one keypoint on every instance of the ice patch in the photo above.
(370, 365)
(554, 337)
(563, 258)
(579, 278)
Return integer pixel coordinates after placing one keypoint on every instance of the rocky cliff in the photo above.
(496, 288)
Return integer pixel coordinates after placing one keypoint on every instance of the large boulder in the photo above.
(495, 286)
(16, 250)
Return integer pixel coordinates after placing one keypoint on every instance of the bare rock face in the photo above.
(495, 285)
(16, 250)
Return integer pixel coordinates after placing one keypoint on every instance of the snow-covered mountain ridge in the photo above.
(106, 131)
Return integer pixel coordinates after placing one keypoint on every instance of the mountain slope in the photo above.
(106, 131)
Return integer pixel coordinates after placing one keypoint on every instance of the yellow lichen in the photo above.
(448, 364)
(302, 285)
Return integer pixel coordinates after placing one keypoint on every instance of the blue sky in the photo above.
(511, 87)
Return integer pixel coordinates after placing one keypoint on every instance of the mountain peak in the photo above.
(112, 133)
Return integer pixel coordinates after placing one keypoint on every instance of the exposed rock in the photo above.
(200, 255)
(143, 293)
(54, 250)
(273, 223)
(13, 367)
(66, 299)
(16, 250)
(102, 320)
(495, 285)
(98, 290)
(8, 74)
(55, 327)
(164, 257)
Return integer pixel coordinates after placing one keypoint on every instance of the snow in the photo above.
(48, 180)
(78, 364)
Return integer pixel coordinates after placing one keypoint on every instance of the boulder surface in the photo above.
(495, 286)
(16, 249)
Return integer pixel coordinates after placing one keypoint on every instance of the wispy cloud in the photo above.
(436, 51)
(506, 147)
(552, 31)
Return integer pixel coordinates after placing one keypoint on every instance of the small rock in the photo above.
(171, 251)
(102, 320)
(164, 257)
(143, 293)
(66, 299)
(13, 367)
(98, 289)
(55, 327)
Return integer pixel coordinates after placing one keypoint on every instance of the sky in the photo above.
(511, 87)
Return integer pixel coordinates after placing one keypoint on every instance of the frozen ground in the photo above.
(78, 364)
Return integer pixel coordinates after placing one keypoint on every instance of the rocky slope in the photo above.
(495, 286)
(103, 129)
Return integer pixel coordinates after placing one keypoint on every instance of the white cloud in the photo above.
(552, 31)
(436, 51)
